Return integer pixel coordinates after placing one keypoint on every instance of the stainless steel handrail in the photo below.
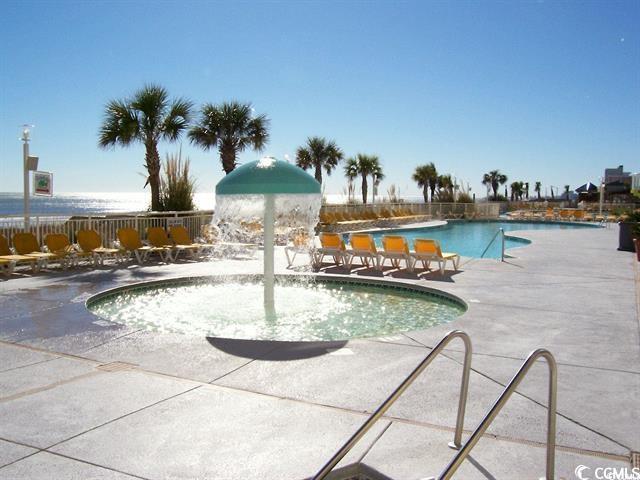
(500, 230)
(375, 416)
(497, 406)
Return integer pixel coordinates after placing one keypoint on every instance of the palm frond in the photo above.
(119, 126)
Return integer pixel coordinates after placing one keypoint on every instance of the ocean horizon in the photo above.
(86, 203)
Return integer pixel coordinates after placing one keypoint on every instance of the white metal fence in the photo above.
(106, 225)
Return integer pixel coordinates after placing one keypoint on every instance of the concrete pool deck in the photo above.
(84, 398)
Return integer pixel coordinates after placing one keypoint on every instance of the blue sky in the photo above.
(545, 91)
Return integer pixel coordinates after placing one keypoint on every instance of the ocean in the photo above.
(85, 203)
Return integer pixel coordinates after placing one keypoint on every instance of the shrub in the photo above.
(176, 185)
(465, 198)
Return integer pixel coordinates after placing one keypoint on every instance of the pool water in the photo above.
(305, 309)
(471, 238)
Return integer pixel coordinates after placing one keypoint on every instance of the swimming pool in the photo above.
(471, 238)
(306, 308)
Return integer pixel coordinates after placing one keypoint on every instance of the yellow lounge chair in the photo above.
(158, 237)
(7, 255)
(363, 247)
(27, 244)
(550, 214)
(130, 242)
(59, 244)
(332, 245)
(180, 235)
(396, 249)
(90, 243)
(427, 251)
(301, 243)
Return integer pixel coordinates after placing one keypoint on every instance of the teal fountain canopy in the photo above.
(267, 176)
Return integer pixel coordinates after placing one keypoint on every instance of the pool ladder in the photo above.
(500, 231)
(456, 444)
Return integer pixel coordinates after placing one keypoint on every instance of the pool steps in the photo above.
(456, 444)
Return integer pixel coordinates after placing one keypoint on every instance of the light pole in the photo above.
(25, 172)
(28, 163)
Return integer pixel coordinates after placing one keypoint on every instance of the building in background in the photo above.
(635, 182)
(617, 184)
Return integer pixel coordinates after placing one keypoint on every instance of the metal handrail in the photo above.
(375, 416)
(500, 230)
(497, 406)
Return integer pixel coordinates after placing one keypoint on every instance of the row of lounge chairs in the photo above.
(395, 250)
(566, 214)
(368, 216)
(59, 249)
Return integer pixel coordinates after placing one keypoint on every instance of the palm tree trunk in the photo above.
(228, 158)
(432, 187)
(538, 195)
(364, 188)
(318, 173)
(152, 159)
(425, 192)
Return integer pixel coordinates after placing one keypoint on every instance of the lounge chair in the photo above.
(427, 251)
(565, 214)
(301, 243)
(332, 245)
(130, 242)
(363, 247)
(396, 250)
(157, 237)
(59, 244)
(550, 214)
(90, 243)
(7, 255)
(6, 266)
(27, 244)
(180, 235)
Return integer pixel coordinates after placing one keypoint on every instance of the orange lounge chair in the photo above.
(363, 247)
(331, 245)
(395, 250)
(427, 251)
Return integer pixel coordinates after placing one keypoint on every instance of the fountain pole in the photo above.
(269, 240)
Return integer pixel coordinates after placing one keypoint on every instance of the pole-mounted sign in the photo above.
(43, 184)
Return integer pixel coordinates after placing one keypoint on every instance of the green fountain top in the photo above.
(267, 176)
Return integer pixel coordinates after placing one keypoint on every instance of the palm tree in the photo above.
(566, 191)
(232, 128)
(147, 117)
(351, 172)
(377, 176)
(319, 153)
(367, 165)
(537, 189)
(517, 189)
(494, 178)
(445, 188)
(426, 176)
